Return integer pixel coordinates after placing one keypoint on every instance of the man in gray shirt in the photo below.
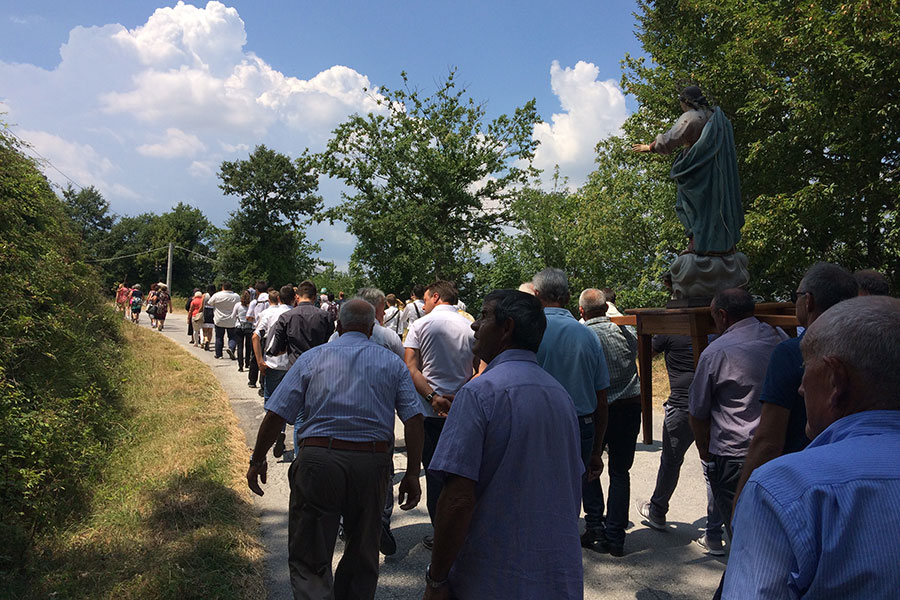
(724, 396)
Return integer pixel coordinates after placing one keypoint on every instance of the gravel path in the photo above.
(658, 565)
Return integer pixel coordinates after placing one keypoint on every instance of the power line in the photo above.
(31, 148)
(203, 256)
(210, 259)
(128, 255)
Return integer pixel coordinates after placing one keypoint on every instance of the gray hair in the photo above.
(864, 334)
(372, 295)
(552, 284)
(828, 284)
(357, 314)
(592, 300)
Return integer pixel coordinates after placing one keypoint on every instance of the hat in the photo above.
(198, 294)
(323, 291)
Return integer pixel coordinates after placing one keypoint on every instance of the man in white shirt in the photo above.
(254, 309)
(391, 314)
(438, 353)
(413, 311)
(224, 318)
(272, 369)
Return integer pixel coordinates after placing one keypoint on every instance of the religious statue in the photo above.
(709, 198)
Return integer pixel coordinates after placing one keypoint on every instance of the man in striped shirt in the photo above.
(348, 392)
(823, 522)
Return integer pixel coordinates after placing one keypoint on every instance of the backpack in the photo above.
(136, 302)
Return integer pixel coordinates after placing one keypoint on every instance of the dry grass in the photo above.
(170, 517)
(660, 384)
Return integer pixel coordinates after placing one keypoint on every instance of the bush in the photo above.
(58, 395)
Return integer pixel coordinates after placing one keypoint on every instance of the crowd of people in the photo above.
(514, 416)
(130, 301)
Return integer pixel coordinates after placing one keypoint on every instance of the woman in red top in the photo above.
(195, 317)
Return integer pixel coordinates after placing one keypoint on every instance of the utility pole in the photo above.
(169, 266)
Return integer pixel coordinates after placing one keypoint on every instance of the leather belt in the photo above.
(336, 444)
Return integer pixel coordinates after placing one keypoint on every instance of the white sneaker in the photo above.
(711, 548)
(655, 523)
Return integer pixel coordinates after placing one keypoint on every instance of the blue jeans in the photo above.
(220, 339)
(677, 438)
(270, 381)
(620, 440)
(591, 491)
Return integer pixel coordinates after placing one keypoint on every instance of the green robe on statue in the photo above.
(709, 190)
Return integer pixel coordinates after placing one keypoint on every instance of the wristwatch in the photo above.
(435, 585)
(431, 395)
(257, 463)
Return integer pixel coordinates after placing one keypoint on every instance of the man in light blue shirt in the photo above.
(347, 391)
(823, 522)
(573, 355)
(506, 525)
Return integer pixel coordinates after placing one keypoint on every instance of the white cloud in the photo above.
(74, 162)
(174, 144)
(201, 169)
(592, 110)
(158, 107)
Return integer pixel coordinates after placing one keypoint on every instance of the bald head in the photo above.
(356, 315)
(592, 303)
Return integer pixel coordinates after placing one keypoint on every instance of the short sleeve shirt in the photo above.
(573, 355)
(513, 431)
(349, 390)
(444, 338)
(679, 357)
(781, 387)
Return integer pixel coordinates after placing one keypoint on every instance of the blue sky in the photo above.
(144, 100)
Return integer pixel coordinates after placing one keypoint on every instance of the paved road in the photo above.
(658, 565)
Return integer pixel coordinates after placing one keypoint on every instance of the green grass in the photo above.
(169, 515)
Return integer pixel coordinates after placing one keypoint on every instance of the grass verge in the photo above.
(170, 515)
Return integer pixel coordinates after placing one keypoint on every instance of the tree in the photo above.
(432, 180)
(811, 91)
(617, 231)
(265, 238)
(89, 212)
(185, 226)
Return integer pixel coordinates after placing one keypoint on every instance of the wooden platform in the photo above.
(694, 322)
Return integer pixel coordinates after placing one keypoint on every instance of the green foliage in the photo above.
(811, 91)
(335, 281)
(265, 237)
(184, 225)
(90, 213)
(58, 393)
(433, 181)
(617, 231)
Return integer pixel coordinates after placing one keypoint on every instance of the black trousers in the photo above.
(724, 473)
(326, 484)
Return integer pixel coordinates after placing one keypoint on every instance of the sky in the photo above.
(144, 100)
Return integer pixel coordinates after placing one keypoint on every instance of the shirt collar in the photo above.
(558, 311)
(742, 323)
(512, 354)
(597, 320)
(868, 422)
(445, 307)
(351, 337)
